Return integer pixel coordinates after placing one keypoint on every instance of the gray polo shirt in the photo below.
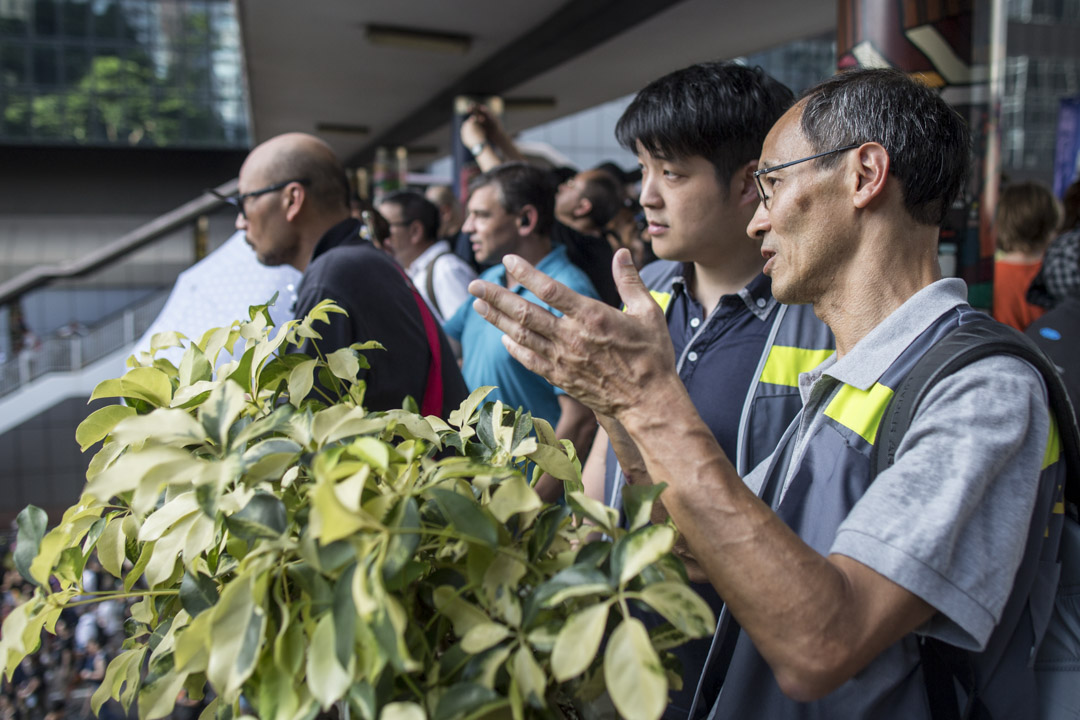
(949, 520)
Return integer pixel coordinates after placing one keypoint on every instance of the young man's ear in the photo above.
(744, 186)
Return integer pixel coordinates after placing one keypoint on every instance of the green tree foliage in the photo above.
(286, 545)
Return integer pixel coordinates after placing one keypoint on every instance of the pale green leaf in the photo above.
(188, 394)
(99, 424)
(372, 451)
(164, 518)
(343, 364)
(341, 421)
(641, 548)
(116, 675)
(301, 380)
(682, 607)
(194, 367)
(129, 470)
(578, 642)
(199, 538)
(166, 340)
(529, 675)
(111, 388)
(149, 384)
(464, 414)
(463, 615)
(402, 711)
(484, 636)
(513, 496)
(232, 618)
(605, 517)
(632, 671)
(163, 427)
(157, 699)
(103, 458)
(331, 520)
(326, 679)
(167, 551)
(413, 425)
(110, 546)
(221, 409)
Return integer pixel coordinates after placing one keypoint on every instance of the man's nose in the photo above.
(759, 224)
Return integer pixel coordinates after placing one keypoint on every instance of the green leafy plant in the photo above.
(287, 546)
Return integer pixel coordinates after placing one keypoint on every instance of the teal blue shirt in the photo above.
(486, 362)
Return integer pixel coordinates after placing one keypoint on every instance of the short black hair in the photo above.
(415, 206)
(928, 142)
(604, 195)
(518, 185)
(721, 111)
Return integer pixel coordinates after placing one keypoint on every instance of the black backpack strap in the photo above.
(944, 664)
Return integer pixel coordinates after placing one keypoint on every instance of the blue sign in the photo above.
(1068, 145)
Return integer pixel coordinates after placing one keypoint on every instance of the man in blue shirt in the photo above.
(511, 210)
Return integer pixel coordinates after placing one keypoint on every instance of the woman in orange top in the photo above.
(1026, 217)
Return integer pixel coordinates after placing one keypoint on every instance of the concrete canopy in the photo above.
(311, 66)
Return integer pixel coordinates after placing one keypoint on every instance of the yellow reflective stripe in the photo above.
(785, 363)
(1059, 508)
(1053, 445)
(662, 299)
(860, 410)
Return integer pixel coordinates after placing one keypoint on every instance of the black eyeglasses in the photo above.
(764, 171)
(239, 199)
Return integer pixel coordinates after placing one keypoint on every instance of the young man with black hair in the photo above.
(697, 133)
(836, 573)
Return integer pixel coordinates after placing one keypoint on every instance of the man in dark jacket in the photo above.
(292, 203)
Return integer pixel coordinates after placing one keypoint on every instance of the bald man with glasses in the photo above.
(292, 204)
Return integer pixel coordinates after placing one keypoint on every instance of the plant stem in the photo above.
(106, 595)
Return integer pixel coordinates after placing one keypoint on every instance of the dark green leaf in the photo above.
(637, 503)
(263, 517)
(483, 426)
(362, 700)
(93, 536)
(466, 516)
(571, 582)
(242, 374)
(208, 496)
(344, 618)
(197, 593)
(32, 523)
(463, 699)
(404, 516)
(593, 554)
(159, 634)
(545, 529)
(335, 556)
(523, 425)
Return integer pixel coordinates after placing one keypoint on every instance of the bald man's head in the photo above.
(298, 156)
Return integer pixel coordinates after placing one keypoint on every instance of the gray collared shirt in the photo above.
(948, 521)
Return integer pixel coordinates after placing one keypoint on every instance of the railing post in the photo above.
(24, 367)
(129, 327)
(76, 352)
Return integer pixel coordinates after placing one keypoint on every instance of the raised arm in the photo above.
(817, 621)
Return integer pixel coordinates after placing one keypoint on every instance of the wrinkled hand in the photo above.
(605, 358)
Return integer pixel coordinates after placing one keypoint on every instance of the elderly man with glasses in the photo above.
(838, 583)
(292, 203)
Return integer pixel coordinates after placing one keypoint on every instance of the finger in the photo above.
(550, 291)
(632, 290)
(526, 323)
(534, 361)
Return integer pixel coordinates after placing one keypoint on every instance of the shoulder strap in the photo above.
(431, 281)
(963, 346)
(943, 663)
(432, 402)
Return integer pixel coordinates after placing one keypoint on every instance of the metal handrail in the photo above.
(157, 228)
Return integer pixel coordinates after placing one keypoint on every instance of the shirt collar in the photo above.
(425, 258)
(348, 230)
(874, 354)
(757, 295)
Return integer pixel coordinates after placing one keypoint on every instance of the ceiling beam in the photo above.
(577, 27)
